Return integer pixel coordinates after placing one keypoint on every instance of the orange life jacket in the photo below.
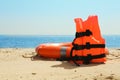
(88, 45)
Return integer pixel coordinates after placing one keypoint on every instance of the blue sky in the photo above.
(56, 17)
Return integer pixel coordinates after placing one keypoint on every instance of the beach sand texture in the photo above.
(15, 64)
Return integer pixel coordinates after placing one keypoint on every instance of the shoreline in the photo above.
(13, 66)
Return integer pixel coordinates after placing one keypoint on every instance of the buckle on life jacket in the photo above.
(87, 59)
(88, 45)
(81, 34)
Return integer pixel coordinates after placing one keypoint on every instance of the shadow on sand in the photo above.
(68, 65)
(64, 64)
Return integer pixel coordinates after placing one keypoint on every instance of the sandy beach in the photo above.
(16, 64)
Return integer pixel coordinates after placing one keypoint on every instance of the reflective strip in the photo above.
(63, 51)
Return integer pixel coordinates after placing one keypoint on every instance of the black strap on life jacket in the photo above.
(81, 34)
(87, 46)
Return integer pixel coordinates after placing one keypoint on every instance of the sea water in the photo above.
(27, 41)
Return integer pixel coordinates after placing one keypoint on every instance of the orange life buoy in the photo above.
(54, 50)
(87, 47)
